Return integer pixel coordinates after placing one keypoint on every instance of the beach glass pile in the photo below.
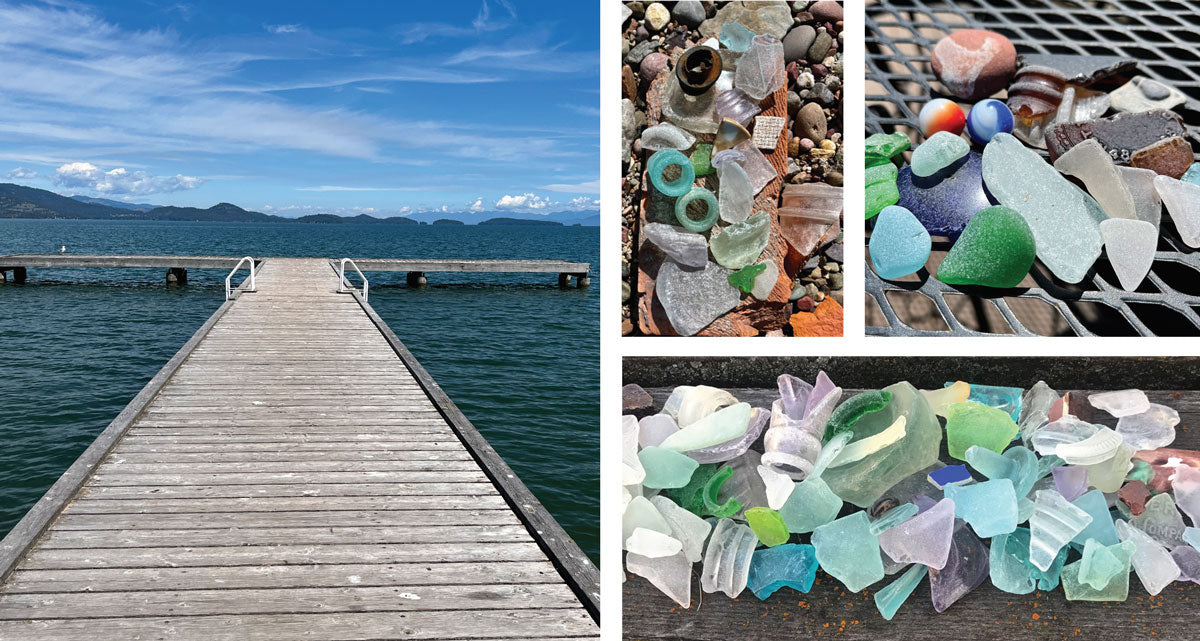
(1031, 492)
(990, 191)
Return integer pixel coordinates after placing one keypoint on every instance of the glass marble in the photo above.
(988, 118)
(941, 114)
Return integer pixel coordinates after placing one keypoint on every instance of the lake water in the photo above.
(519, 356)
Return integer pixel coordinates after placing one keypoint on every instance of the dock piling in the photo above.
(564, 280)
(177, 276)
(416, 279)
(18, 276)
(583, 281)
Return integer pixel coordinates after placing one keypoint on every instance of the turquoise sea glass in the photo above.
(659, 162)
(791, 565)
(710, 216)
(889, 599)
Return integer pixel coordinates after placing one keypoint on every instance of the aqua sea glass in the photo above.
(659, 162)
(999, 397)
(710, 215)
(990, 507)
(1101, 528)
(1117, 588)
(939, 151)
(736, 37)
(666, 468)
(889, 599)
(791, 565)
(848, 552)
(899, 244)
(1099, 565)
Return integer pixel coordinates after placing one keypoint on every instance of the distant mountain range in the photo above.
(18, 201)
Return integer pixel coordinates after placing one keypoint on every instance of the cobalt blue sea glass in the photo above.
(945, 201)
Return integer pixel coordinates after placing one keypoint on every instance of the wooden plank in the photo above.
(404, 534)
(365, 626)
(142, 505)
(298, 447)
(280, 456)
(346, 518)
(118, 466)
(280, 576)
(93, 605)
(281, 490)
(103, 478)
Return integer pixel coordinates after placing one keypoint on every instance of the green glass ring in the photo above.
(659, 162)
(689, 223)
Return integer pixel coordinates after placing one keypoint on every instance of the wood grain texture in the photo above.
(311, 487)
(829, 611)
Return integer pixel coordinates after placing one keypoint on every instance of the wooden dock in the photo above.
(293, 472)
(177, 266)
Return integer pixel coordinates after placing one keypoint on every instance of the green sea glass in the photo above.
(710, 214)
(881, 187)
(1011, 570)
(970, 423)
(996, 249)
(1098, 565)
(1117, 588)
(659, 162)
(666, 468)
(768, 526)
(848, 552)
(740, 244)
(856, 407)
(722, 425)
(939, 151)
(889, 599)
(743, 278)
(719, 510)
(810, 505)
(691, 496)
(702, 159)
(881, 148)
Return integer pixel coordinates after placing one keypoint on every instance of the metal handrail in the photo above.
(228, 289)
(342, 278)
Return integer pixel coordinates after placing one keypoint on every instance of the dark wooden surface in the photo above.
(831, 611)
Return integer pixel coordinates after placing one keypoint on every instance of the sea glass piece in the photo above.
(767, 525)
(1089, 162)
(990, 507)
(694, 298)
(1007, 399)
(1054, 523)
(1081, 70)
(1017, 464)
(944, 477)
(1143, 94)
(666, 468)
(881, 190)
(1109, 475)
(712, 505)
(697, 114)
(1099, 565)
(971, 423)
(996, 249)
(1121, 402)
(666, 136)
(758, 168)
(632, 471)
(672, 575)
(862, 448)
(741, 244)
(1183, 202)
(654, 429)
(1035, 408)
(1101, 527)
(1133, 496)
(791, 565)
(822, 399)
(793, 395)
(1120, 135)
(924, 538)
(723, 425)
(1117, 587)
(807, 213)
(1188, 560)
(1071, 482)
(1022, 181)
(743, 278)
(889, 599)
(1146, 200)
(1161, 521)
(1035, 92)
(657, 165)
(893, 517)
(737, 106)
(788, 447)
(778, 486)
(1097, 448)
(683, 210)
(945, 203)
(848, 552)
(940, 399)
(1186, 483)
(1170, 157)
(1154, 566)
(727, 558)
(1008, 560)
(690, 530)
(810, 505)
(1191, 536)
(691, 496)
(689, 404)
(651, 544)
(966, 568)
(881, 148)
(1149, 430)
(736, 193)
(730, 133)
(938, 152)
(702, 159)
(899, 244)
(849, 413)
(760, 71)
(865, 481)
(1065, 430)
(736, 447)
(641, 513)
(684, 247)
(736, 37)
(1130, 246)
(745, 486)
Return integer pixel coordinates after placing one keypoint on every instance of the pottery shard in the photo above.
(810, 123)
(1169, 157)
(974, 64)
(1120, 135)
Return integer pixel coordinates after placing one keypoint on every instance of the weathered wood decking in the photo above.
(292, 473)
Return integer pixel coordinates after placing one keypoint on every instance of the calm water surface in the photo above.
(519, 356)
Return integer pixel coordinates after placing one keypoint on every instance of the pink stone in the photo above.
(974, 64)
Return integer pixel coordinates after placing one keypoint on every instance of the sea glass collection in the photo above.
(1000, 202)
(1034, 496)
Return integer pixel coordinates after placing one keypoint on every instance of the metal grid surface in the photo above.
(1165, 39)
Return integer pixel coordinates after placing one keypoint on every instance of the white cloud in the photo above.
(119, 180)
(22, 173)
(583, 202)
(583, 110)
(282, 28)
(476, 206)
(523, 201)
(589, 187)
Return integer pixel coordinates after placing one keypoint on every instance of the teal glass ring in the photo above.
(689, 223)
(659, 162)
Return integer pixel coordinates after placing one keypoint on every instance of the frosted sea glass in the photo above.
(924, 539)
(1130, 247)
(652, 544)
(1121, 402)
(996, 249)
(848, 552)
(694, 298)
(990, 507)
(970, 423)
(666, 468)
(1117, 588)
(1183, 202)
(1097, 448)
(741, 244)
(1149, 430)
(1090, 163)
(966, 568)
(720, 426)
(672, 575)
(666, 136)
(691, 530)
(632, 471)
(889, 599)
(1153, 564)
(760, 70)
(1161, 521)
(659, 162)
(941, 150)
(790, 565)
(711, 208)
(736, 194)
(1101, 527)
(899, 244)
(684, 247)
(1054, 523)
(727, 558)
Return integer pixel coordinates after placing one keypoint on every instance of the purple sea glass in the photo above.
(1071, 482)
(945, 201)
(820, 389)
(966, 568)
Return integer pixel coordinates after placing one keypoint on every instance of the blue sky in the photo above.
(305, 107)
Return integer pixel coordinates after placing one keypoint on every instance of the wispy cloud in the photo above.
(22, 173)
(583, 110)
(483, 22)
(589, 187)
(282, 28)
(346, 188)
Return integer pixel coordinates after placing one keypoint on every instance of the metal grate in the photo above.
(1165, 39)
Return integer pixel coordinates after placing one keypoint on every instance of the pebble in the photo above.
(638, 9)
(822, 94)
(827, 11)
(793, 101)
(807, 144)
(819, 47)
(973, 63)
(689, 12)
(639, 52)
(652, 64)
(797, 42)
(810, 122)
(805, 303)
(657, 16)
